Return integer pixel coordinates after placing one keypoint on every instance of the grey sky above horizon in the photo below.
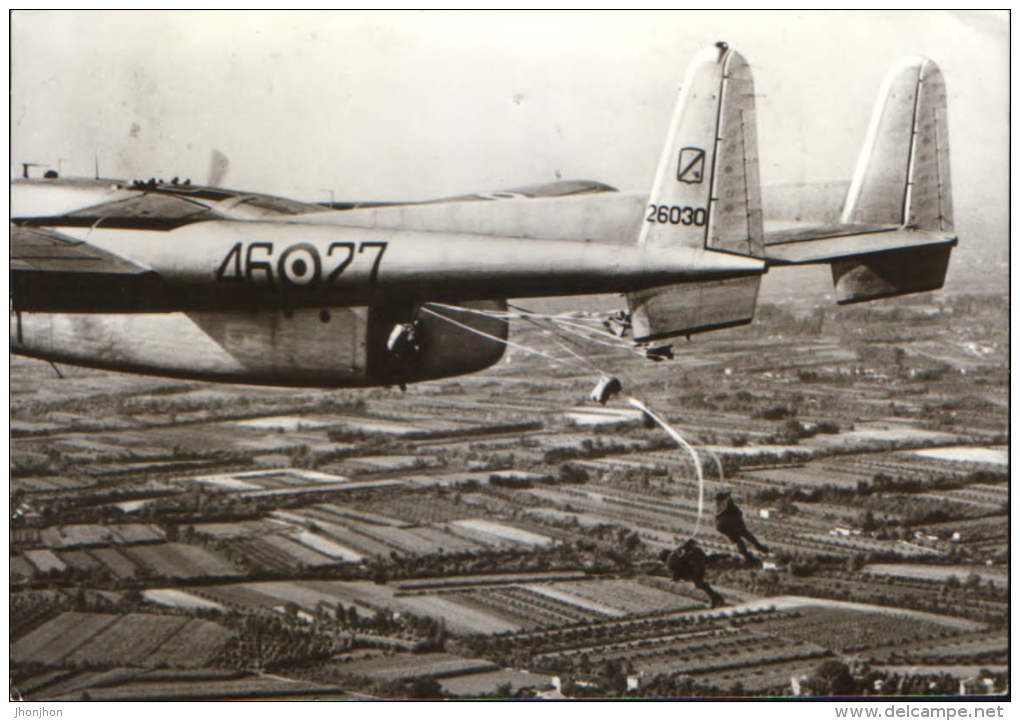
(411, 105)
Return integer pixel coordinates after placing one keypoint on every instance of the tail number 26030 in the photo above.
(675, 214)
(297, 265)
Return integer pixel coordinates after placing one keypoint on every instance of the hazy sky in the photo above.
(413, 105)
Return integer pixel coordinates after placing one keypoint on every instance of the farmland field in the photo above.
(114, 560)
(132, 639)
(482, 538)
(178, 560)
(994, 455)
(284, 423)
(999, 577)
(237, 595)
(236, 528)
(21, 567)
(128, 641)
(194, 645)
(503, 530)
(487, 682)
(324, 545)
(79, 560)
(83, 534)
(563, 595)
(303, 595)
(301, 554)
(630, 596)
(272, 595)
(141, 687)
(962, 646)
(446, 541)
(334, 509)
(759, 678)
(138, 532)
(410, 509)
(401, 539)
(359, 542)
(179, 599)
(57, 638)
(459, 618)
(402, 666)
(45, 560)
(848, 630)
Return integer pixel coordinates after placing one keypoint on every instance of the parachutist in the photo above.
(687, 563)
(729, 521)
(404, 341)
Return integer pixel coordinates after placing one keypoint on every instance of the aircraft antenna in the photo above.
(26, 166)
(97, 165)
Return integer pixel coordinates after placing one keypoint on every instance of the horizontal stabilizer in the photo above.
(825, 245)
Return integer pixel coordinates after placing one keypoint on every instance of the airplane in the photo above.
(200, 282)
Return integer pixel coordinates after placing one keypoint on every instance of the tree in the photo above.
(425, 688)
(867, 520)
(614, 678)
(831, 678)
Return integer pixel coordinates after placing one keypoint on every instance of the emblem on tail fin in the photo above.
(691, 168)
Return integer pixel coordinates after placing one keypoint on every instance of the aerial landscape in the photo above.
(461, 432)
(496, 535)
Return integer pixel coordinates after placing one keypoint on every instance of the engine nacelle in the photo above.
(309, 347)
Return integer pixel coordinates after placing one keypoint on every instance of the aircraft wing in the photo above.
(38, 250)
(556, 189)
(50, 271)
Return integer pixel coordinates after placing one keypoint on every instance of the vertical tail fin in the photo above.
(902, 179)
(902, 175)
(706, 194)
(710, 162)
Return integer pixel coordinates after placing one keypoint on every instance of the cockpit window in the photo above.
(150, 205)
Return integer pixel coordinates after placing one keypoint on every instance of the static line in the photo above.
(504, 341)
(684, 444)
(672, 432)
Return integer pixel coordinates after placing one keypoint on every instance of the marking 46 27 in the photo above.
(299, 264)
(676, 214)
